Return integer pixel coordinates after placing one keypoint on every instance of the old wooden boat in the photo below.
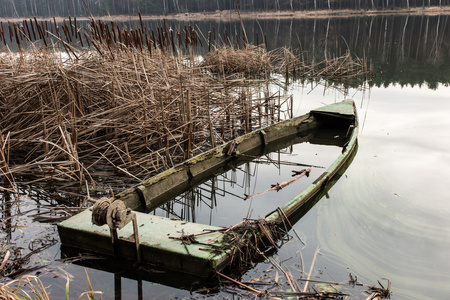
(197, 248)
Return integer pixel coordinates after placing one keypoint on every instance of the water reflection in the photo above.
(21, 237)
(407, 50)
(389, 219)
(403, 49)
(218, 199)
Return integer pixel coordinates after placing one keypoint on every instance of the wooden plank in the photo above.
(160, 242)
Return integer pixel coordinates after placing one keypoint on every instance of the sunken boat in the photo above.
(122, 227)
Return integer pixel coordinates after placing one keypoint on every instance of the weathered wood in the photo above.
(160, 242)
(185, 246)
(335, 114)
(155, 191)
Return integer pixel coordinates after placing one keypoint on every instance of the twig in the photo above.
(311, 269)
(5, 260)
(279, 186)
(239, 283)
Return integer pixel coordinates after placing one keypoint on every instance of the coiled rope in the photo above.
(100, 210)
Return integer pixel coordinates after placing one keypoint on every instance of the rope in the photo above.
(100, 210)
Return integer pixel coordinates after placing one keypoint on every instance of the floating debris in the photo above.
(380, 292)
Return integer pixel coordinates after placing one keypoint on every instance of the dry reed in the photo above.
(343, 68)
(252, 60)
(130, 103)
(249, 240)
(93, 118)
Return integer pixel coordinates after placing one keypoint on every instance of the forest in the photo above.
(64, 8)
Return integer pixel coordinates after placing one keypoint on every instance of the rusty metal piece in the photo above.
(118, 215)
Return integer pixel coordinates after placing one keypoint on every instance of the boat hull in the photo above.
(164, 243)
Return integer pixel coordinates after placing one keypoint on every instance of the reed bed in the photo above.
(69, 35)
(103, 105)
(99, 108)
(252, 60)
(345, 68)
(87, 119)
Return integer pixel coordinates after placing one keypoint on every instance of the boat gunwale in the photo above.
(292, 206)
(216, 261)
(189, 169)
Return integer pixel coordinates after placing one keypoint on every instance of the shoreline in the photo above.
(341, 13)
(232, 15)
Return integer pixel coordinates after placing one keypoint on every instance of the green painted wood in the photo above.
(157, 190)
(159, 242)
(159, 237)
(348, 109)
(344, 109)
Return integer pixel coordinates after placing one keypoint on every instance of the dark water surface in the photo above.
(387, 217)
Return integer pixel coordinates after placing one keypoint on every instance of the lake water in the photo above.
(387, 217)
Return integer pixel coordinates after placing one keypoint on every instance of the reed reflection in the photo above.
(398, 46)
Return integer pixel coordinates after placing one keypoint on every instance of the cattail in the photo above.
(21, 30)
(119, 34)
(56, 28)
(76, 25)
(153, 39)
(46, 28)
(71, 26)
(67, 32)
(87, 40)
(17, 37)
(51, 26)
(159, 38)
(80, 38)
(113, 28)
(10, 32)
(171, 37)
(180, 43)
(2, 33)
(140, 20)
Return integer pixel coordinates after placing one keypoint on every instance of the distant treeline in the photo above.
(50, 8)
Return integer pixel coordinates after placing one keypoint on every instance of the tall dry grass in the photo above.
(132, 102)
(92, 118)
(251, 60)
